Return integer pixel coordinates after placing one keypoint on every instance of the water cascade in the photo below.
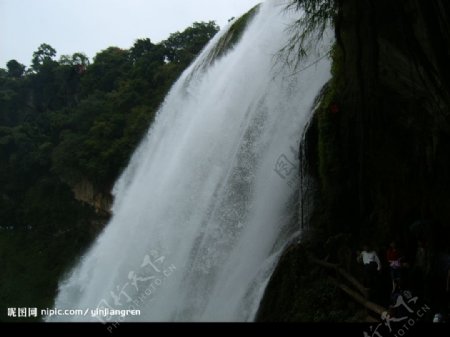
(210, 197)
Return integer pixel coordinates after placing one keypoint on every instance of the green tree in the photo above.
(308, 28)
(80, 59)
(183, 47)
(15, 69)
(42, 56)
(63, 123)
(109, 67)
(141, 47)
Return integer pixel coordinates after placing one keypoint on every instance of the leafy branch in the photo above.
(315, 16)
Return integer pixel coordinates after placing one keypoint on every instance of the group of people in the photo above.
(400, 270)
(395, 260)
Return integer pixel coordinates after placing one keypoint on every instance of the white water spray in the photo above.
(208, 200)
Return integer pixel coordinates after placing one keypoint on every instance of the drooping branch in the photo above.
(359, 296)
(342, 273)
(315, 15)
(360, 299)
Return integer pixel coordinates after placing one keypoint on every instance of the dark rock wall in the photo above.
(395, 98)
(382, 158)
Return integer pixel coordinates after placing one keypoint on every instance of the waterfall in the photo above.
(210, 198)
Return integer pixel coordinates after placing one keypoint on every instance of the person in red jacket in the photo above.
(394, 259)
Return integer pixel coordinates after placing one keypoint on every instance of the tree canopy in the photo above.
(63, 122)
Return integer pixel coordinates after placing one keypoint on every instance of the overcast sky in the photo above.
(90, 26)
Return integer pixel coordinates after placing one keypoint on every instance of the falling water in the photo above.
(208, 200)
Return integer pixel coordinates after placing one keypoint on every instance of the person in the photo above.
(371, 263)
(394, 259)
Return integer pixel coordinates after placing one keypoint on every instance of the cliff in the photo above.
(377, 146)
(85, 191)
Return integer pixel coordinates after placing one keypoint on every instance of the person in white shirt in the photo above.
(371, 263)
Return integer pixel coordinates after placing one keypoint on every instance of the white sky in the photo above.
(90, 26)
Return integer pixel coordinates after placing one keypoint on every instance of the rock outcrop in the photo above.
(85, 191)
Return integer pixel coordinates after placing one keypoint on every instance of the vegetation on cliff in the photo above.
(65, 124)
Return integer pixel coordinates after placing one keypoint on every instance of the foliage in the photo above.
(43, 56)
(234, 34)
(65, 122)
(183, 47)
(315, 16)
(15, 69)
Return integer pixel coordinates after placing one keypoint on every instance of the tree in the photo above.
(63, 123)
(65, 60)
(183, 47)
(141, 48)
(15, 69)
(79, 61)
(309, 28)
(108, 69)
(44, 55)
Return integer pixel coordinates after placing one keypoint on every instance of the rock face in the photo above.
(395, 99)
(84, 191)
(381, 158)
